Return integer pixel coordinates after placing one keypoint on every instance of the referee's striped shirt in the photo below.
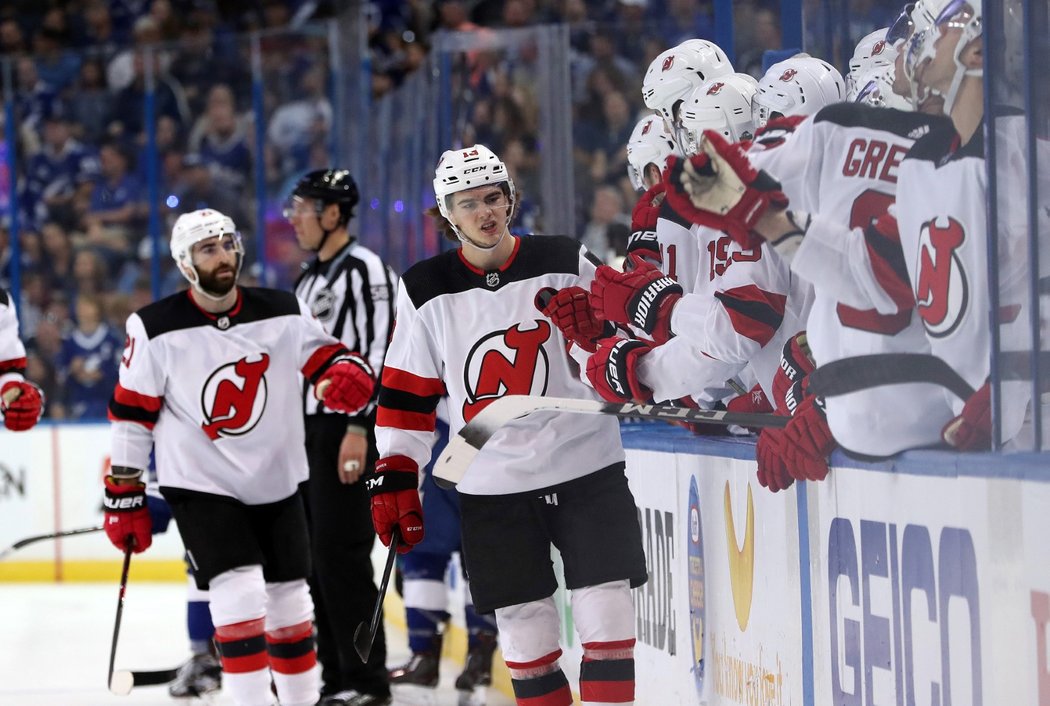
(353, 296)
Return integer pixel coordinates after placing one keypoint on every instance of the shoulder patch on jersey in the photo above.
(446, 274)
(905, 124)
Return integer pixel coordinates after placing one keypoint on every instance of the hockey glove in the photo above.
(642, 297)
(796, 362)
(808, 432)
(780, 462)
(394, 489)
(127, 516)
(612, 370)
(347, 386)
(720, 188)
(972, 430)
(570, 310)
(22, 403)
(643, 226)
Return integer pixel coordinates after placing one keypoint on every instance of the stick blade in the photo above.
(121, 682)
(363, 641)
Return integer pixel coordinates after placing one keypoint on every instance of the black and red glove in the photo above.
(972, 429)
(642, 297)
(643, 226)
(796, 362)
(721, 189)
(127, 517)
(612, 370)
(570, 310)
(347, 386)
(394, 490)
(21, 403)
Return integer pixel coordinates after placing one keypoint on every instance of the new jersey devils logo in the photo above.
(715, 89)
(510, 362)
(941, 291)
(879, 47)
(668, 63)
(234, 397)
(648, 126)
(788, 75)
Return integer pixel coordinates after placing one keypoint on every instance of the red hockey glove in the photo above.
(613, 370)
(809, 433)
(394, 489)
(796, 362)
(754, 402)
(720, 188)
(972, 430)
(570, 310)
(21, 403)
(347, 386)
(643, 226)
(770, 453)
(642, 297)
(127, 516)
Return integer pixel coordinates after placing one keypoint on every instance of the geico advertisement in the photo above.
(930, 590)
(51, 480)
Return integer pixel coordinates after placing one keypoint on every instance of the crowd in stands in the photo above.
(80, 73)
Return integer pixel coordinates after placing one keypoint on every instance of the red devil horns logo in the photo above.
(668, 63)
(715, 89)
(510, 362)
(234, 397)
(648, 126)
(879, 47)
(788, 75)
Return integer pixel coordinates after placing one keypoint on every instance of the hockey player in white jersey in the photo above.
(210, 378)
(21, 402)
(468, 326)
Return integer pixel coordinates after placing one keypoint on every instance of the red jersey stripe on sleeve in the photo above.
(410, 382)
(753, 312)
(403, 419)
(130, 406)
(321, 359)
(14, 365)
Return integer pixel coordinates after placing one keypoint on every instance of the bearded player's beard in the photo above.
(219, 281)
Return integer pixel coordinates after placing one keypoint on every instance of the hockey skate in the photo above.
(197, 678)
(415, 682)
(473, 683)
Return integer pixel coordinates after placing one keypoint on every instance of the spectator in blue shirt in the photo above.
(89, 361)
(60, 176)
(116, 204)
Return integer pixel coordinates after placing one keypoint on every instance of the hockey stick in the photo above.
(363, 640)
(41, 537)
(141, 678)
(841, 377)
(462, 449)
(120, 683)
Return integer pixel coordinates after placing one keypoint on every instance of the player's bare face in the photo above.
(481, 213)
(216, 263)
(938, 73)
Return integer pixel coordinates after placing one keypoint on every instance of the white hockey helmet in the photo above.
(801, 85)
(468, 168)
(956, 14)
(876, 88)
(676, 72)
(650, 143)
(871, 52)
(195, 226)
(723, 105)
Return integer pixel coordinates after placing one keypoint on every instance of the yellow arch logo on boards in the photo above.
(741, 559)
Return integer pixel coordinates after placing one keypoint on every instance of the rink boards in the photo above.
(922, 581)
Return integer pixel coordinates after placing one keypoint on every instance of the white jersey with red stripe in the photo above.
(219, 395)
(12, 352)
(478, 336)
(844, 164)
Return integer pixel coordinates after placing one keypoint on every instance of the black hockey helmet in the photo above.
(330, 186)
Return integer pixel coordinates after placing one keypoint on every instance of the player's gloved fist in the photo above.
(972, 430)
(612, 370)
(780, 462)
(721, 189)
(809, 433)
(347, 386)
(127, 516)
(22, 403)
(796, 362)
(643, 225)
(394, 489)
(642, 297)
(570, 310)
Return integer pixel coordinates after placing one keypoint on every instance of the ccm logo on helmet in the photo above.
(474, 169)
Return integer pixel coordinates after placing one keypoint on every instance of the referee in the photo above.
(351, 292)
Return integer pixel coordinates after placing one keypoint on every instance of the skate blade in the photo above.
(413, 695)
(478, 696)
